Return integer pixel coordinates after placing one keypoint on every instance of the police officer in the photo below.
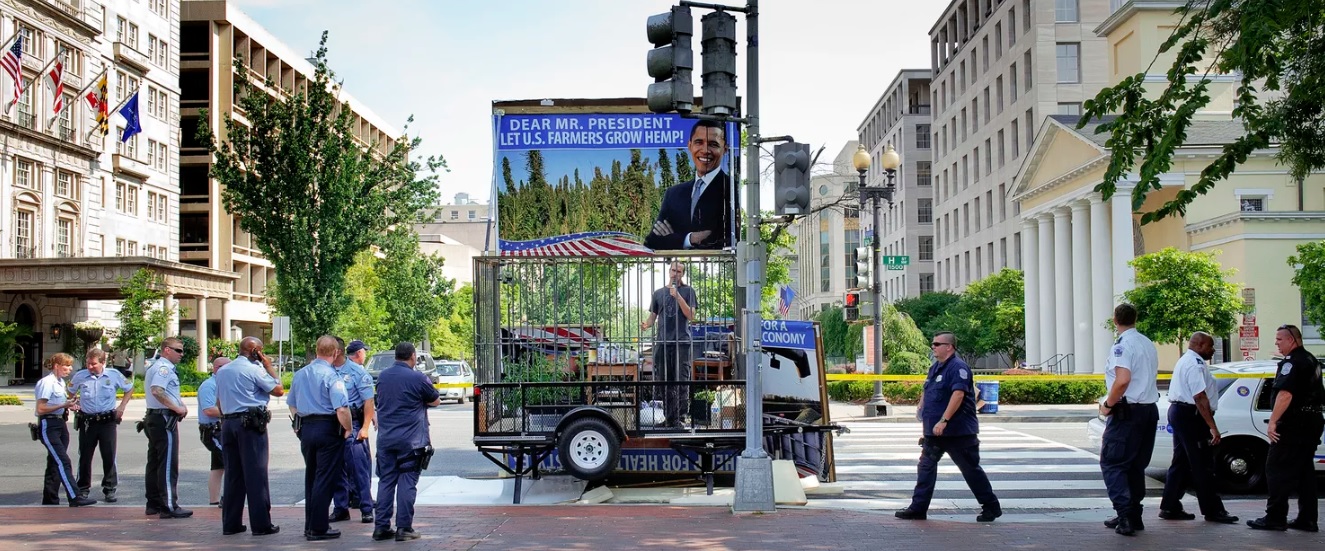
(1294, 431)
(243, 388)
(52, 407)
(209, 430)
(1193, 400)
(318, 398)
(403, 445)
(165, 408)
(947, 412)
(98, 420)
(1129, 437)
(355, 487)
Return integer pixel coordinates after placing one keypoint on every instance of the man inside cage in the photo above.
(671, 310)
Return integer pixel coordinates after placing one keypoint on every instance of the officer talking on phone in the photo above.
(242, 391)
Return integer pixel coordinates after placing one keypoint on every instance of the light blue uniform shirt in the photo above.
(358, 383)
(52, 389)
(162, 374)
(96, 393)
(207, 399)
(316, 390)
(243, 385)
(1136, 353)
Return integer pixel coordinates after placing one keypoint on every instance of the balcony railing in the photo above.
(25, 251)
(25, 118)
(919, 110)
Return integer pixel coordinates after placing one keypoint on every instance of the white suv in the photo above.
(1243, 416)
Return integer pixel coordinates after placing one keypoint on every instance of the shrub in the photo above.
(859, 391)
(906, 363)
(191, 350)
(1012, 391)
(10, 400)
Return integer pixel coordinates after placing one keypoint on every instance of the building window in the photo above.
(132, 37)
(1012, 81)
(1026, 66)
(1253, 204)
(923, 176)
(120, 27)
(126, 198)
(66, 123)
(1069, 108)
(23, 176)
(1000, 149)
(64, 184)
(1065, 11)
(1030, 128)
(473, 215)
(159, 7)
(925, 211)
(64, 236)
(851, 240)
(27, 117)
(1069, 62)
(998, 40)
(158, 51)
(128, 148)
(1016, 146)
(131, 249)
(922, 136)
(926, 283)
(24, 230)
(926, 247)
(455, 215)
(850, 213)
(1012, 27)
(825, 264)
(998, 93)
(162, 153)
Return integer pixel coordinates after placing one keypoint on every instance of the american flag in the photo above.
(12, 62)
(578, 244)
(785, 296)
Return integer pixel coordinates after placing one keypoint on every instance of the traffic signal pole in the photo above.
(872, 408)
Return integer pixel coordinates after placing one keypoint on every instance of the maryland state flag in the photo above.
(97, 99)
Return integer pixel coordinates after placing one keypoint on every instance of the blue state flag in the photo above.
(132, 124)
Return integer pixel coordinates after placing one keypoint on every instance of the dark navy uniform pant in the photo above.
(323, 443)
(671, 363)
(162, 476)
(1193, 462)
(397, 485)
(1129, 440)
(965, 452)
(355, 488)
(59, 472)
(245, 456)
(93, 436)
(1289, 467)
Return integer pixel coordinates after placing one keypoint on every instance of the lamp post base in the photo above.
(754, 485)
(878, 406)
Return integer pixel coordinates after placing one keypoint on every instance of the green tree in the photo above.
(929, 310)
(412, 288)
(453, 335)
(1271, 44)
(9, 349)
(309, 192)
(365, 316)
(142, 319)
(994, 314)
(1309, 276)
(904, 346)
(1178, 293)
(835, 333)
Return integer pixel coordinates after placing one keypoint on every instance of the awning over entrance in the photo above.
(100, 278)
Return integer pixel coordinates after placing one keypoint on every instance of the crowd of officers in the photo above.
(332, 403)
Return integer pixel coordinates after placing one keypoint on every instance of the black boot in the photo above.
(1124, 526)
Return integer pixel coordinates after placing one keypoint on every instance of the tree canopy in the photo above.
(1309, 276)
(311, 193)
(1178, 293)
(142, 319)
(1272, 46)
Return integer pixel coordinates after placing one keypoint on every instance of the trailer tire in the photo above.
(589, 449)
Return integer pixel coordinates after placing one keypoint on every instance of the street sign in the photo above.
(1248, 355)
(1246, 331)
(891, 261)
(1249, 343)
(280, 328)
(894, 267)
(1249, 319)
(1249, 297)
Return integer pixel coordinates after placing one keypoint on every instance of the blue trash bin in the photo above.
(988, 392)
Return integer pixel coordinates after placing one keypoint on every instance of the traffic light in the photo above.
(718, 48)
(671, 61)
(864, 265)
(791, 178)
(851, 310)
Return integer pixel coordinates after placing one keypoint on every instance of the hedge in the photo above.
(10, 400)
(1011, 391)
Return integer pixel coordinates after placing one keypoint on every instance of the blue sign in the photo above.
(599, 131)
(788, 334)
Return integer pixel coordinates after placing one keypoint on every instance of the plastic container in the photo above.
(988, 393)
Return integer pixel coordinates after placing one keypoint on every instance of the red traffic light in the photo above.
(853, 300)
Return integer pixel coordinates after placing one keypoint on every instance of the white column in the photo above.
(225, 320)
(1082, 336)
(1048, 325)
(1101, 279)
(1031, 268)
(202, 332)
(172, 315)
(1124, 278)
(1063, 281)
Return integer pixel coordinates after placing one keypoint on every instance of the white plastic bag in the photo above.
(651, 414)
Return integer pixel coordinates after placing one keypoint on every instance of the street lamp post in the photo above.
(878, 405)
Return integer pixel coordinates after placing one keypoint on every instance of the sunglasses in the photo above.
(937, 343)
(177, 350)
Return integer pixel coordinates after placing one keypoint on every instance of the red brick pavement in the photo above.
(619, 527)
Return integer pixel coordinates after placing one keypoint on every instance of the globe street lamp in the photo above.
(878, 405)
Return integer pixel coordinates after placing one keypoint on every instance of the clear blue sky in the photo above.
(823, 63)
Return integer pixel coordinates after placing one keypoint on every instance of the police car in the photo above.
(1243, 415)
(454, 372)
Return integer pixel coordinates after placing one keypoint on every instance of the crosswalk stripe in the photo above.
(854, 447)
(968, 503)
(984, 455)
(947, 468)
(999, 485)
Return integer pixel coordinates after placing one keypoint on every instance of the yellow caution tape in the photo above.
(454, 385)
(1082, 377)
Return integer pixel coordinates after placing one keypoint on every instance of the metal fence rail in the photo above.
(639, 408)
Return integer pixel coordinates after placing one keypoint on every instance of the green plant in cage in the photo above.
(538, 368)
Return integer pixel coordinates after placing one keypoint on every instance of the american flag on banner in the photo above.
(12, 63)
(578, 244)
(785, 295)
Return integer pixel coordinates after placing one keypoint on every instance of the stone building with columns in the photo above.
(1077, 246)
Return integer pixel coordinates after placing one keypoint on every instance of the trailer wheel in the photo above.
(589, 449)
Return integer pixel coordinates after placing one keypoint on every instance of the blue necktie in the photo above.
(694, 196)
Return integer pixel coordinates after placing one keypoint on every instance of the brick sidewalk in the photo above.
(622, 527)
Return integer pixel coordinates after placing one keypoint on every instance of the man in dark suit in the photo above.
(698, 214)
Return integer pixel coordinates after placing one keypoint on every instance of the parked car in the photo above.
(380, 361)
(454, 371)
(1245, 400)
